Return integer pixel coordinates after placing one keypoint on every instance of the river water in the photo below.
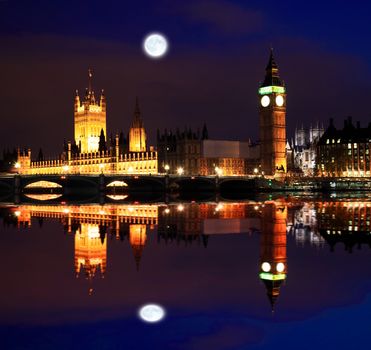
(290, 272)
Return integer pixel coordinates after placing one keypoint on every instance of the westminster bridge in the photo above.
(163, 183)
(93, 184)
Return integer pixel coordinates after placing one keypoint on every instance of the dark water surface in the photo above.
(74, 276)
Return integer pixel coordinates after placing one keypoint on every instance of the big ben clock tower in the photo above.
(272, 115)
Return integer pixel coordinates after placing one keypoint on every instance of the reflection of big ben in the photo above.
(273, 260)
(90, 250)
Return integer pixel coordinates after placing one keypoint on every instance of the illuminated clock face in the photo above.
(265, 101)
(279, 100)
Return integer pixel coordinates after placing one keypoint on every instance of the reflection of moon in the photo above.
(155, 45)
(151, 313)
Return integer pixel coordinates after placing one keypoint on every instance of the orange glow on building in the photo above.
(88, 154)
(137, 133)
(138, 237)
(90, 119)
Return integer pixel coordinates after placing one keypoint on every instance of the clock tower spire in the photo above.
(272, 116)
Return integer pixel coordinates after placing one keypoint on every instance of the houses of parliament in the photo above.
(91, 152)
(194, 153)
(191, 152)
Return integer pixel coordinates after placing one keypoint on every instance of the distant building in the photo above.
(90, 153)
(345, 222)
(344, 152)
(192, 153)
(302, 151)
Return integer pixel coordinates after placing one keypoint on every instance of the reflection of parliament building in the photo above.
(196, 222)
(303, 226)
(177, 223)
(91, 225)
(345, 222)
(90, 250)
(91, 152)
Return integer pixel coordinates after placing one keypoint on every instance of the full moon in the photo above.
(151, 313)
(155, 45)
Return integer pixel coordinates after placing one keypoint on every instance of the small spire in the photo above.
(137, 109)
(271, 63)
(272, 77)
(90, 78)
(137, 121)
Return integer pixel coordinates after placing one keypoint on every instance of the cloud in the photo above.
(225, 17)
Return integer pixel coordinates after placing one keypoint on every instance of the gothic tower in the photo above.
(272, 115)
(137, 134)
(90, 119)
(273, 260)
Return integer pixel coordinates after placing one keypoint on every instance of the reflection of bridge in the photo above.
(93, 184)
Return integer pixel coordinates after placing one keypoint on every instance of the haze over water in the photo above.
(74, 276)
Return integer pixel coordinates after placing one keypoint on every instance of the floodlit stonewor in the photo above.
(92, 152)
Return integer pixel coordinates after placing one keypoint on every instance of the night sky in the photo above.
(218, 53)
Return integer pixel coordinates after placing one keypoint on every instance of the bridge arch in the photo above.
(117, 183)
(43, 184)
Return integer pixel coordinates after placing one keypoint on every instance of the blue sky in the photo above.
(218, 52)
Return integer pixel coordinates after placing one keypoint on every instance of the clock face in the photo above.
(265, 101)
(279, 100)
